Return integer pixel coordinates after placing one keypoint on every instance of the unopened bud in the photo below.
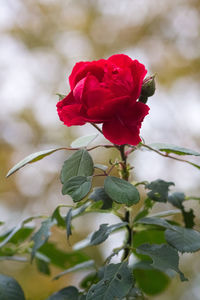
(148, 88)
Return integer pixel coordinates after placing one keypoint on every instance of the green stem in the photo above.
(125, 176)
(165, 154)
(129, 236)
(125, 172)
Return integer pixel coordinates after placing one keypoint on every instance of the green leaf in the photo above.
(8, 236)
(104, 231)
(99, 194)
(77, 187)
(83, 243)
(80, 210)
(68, 293)
(155, 221)
(177, 199)
(68, 223)
(87, 281)
(169, 148)
(188, 217)
(56, 216)
(21, 235)
(121, 191)
(60, 258)
(150, 236)
(98, 236)
(134, 294)
(84, 265)
(43, 266)
(10, 289)
(158, 190)
(82, 297)
(166, 213)
(14, 258)
(116, 283)
(41, 236)
(84, 141)
(150, 280)
(101, 167)
(183, 239)
(31, 159)
(72, 213)
(78, 164)
(61, 96)
(143, 213)
(164, 257)
(17, 232)
(96, 207)
(148, 204)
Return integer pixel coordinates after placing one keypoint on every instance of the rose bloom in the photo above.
(106, 91)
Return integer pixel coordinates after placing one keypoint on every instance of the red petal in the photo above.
(106, 110)
(78, 90)
(120, 60)
(130, 76)
(68, 100)
(119, 83)
(138, 73)
(135, 112)
(76, 69)
(70, 115)
(119, 133)
(81, 69)
(125, 129)
(93, 93)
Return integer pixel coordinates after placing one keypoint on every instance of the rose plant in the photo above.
(113, 93)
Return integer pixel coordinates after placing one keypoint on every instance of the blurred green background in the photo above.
(40, 41)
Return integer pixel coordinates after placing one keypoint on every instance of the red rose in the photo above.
(106, 91)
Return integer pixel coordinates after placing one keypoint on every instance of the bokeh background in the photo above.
(40, 41)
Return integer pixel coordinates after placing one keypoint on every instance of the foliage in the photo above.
(153, 239)
(10, 289)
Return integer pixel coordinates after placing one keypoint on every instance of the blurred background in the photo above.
(40, 41)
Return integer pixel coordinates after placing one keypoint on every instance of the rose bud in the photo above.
(148, 88)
